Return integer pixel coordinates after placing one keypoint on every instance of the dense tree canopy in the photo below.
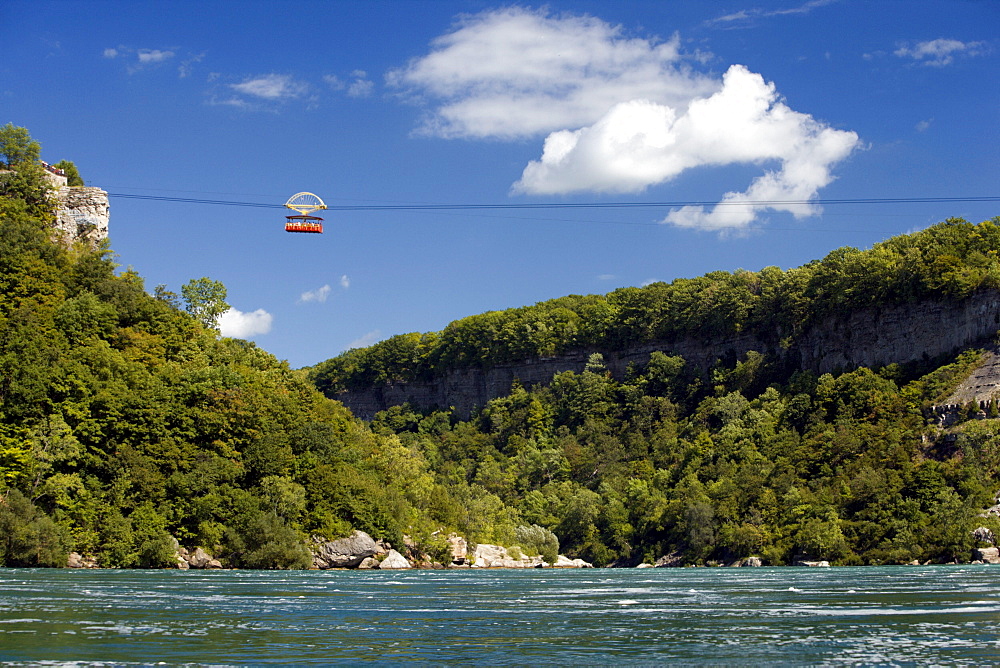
(128, 424)
(951, 259)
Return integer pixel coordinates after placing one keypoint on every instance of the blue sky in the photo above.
(367, 103)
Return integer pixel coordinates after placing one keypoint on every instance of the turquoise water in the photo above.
(892, 615)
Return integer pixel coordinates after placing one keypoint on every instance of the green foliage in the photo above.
(538, 540)
(205, 299)
(17, 147)
(127, 425)
(27, 536)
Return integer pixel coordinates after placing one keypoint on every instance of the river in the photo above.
(836, 616)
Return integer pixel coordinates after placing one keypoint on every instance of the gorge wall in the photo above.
(868, 337)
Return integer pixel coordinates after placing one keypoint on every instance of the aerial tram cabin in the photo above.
(304, 204)
(310, 224)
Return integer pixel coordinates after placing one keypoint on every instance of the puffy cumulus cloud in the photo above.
(345, 282)
(271, 87)
(515, 72)
(639, 143)
(940, 52)
(240, 325)
(621, 114)
(318, 295)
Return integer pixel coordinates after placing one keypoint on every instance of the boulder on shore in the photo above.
(987, 555)
(345, 552)
(76, 560)
(394, 561)
(672, 560)
(566, 562)
(459, 549)
(984, 535)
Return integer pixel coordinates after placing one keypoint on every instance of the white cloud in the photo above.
(745, 16)
(110, 53)
(514, 72)
(606, 277)
(240, 325)
(361, 88)
(333, 81)
(148, 56)
(940, 52)
(924, 125)
(366, 340)
(318, 295)
(271, 87)
(345, 282)
(641, 143)
(186, 66)
(622, 114)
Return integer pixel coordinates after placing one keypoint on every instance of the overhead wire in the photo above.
(568, 205)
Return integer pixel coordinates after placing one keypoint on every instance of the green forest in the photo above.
(128, 425)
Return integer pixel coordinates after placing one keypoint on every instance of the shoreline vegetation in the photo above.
(129, 427)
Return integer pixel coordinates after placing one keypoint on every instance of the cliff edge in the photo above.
(869, 337)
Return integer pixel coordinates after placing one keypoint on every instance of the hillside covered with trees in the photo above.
(128, 423)
(951, 260)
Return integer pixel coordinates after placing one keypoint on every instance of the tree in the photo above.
(17, 147)
(205, 299)
(73, 177)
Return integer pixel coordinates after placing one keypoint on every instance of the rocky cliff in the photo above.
(869, 337)
(82, 214)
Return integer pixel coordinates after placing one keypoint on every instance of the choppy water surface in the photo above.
(936, 615)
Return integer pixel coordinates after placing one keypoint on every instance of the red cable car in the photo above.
(304, 204)
(309, 224)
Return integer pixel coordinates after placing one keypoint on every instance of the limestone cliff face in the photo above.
(82, 214)
(867, 337)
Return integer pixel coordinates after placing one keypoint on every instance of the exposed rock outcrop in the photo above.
(986, 555)
(747, 562)
(198, 559)
(566, 562)
(496, 556)
(672, 560)
(870, 337)
(76, 560)
(459, 549)
(984, 535)
(82, 214)
(345, 552)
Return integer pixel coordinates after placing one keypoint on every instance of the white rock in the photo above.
(394, 561)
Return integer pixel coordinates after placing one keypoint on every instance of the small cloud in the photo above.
(334, 82)
(147, 56)
(345, 282)
(240, 325)
(271, 87)
(360, 88)
(186, 66)
(649, 281)
(745, 17)
(110, 53)
(922, 126)
(364, 341)
(940, 52)
(318, 295)
(606, 277)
